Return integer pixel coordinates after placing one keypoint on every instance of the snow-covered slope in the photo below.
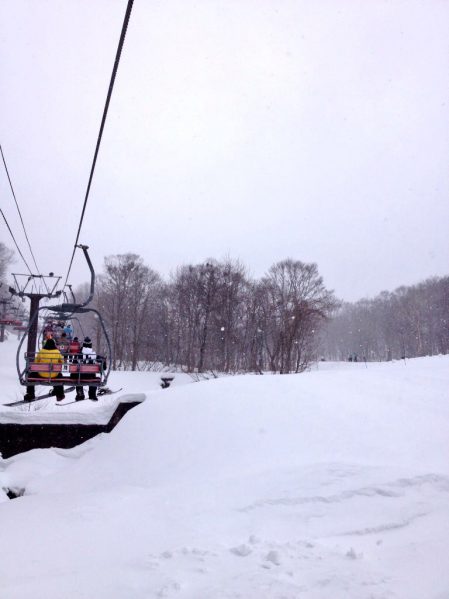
(331, 484)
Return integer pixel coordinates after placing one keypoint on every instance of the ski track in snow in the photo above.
(394, 489)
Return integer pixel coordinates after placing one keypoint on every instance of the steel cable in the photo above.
(20, 215)
(14, 239)
(103, 120)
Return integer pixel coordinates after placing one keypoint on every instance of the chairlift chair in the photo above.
(74, 370)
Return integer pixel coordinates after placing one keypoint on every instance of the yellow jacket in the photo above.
(49, 356)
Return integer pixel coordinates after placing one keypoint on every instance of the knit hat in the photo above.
(50, 344)
(87, 342)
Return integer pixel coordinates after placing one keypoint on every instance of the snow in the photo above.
(47, 412)
(325, 485)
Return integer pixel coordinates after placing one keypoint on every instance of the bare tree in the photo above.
(6, 257)
(296, 303)
(125, 296)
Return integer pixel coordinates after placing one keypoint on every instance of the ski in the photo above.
(104, 391)
(24, 402)
(68, 403)
(107, 391)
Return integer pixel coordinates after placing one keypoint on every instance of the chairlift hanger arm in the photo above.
(74, 307)
(92, 275)
(71, 293)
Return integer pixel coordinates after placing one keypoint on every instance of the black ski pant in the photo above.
(92, 391)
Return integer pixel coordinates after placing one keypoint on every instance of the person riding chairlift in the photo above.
(49, 354)
(89, 356)
(74, 348)
(63, 344)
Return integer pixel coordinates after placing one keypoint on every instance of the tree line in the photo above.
(214, 317)
(408, 322)
(211, 316)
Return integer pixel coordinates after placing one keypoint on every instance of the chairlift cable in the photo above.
(14, 239)
(20, 215)
(103, 120)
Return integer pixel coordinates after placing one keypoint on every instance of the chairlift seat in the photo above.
(86, 374)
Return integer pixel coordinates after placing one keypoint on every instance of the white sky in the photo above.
(259, 129)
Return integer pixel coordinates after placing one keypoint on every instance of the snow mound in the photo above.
(333, 483)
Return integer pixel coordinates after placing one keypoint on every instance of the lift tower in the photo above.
(34, 288)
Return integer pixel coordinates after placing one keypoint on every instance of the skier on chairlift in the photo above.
(74, 348)
(50, 354)
(63, 344)
(89, 356)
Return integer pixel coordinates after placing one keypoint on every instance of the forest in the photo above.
(213, 317)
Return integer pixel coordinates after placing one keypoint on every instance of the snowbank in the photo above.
(329, 484)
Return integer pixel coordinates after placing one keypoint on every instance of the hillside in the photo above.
(329, 484)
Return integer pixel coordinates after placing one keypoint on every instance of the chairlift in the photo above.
(74, 370)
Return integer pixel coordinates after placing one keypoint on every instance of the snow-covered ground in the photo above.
(333, 484)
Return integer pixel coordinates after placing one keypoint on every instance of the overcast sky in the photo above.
(316, 130)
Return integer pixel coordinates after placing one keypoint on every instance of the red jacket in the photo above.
(74, 347)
